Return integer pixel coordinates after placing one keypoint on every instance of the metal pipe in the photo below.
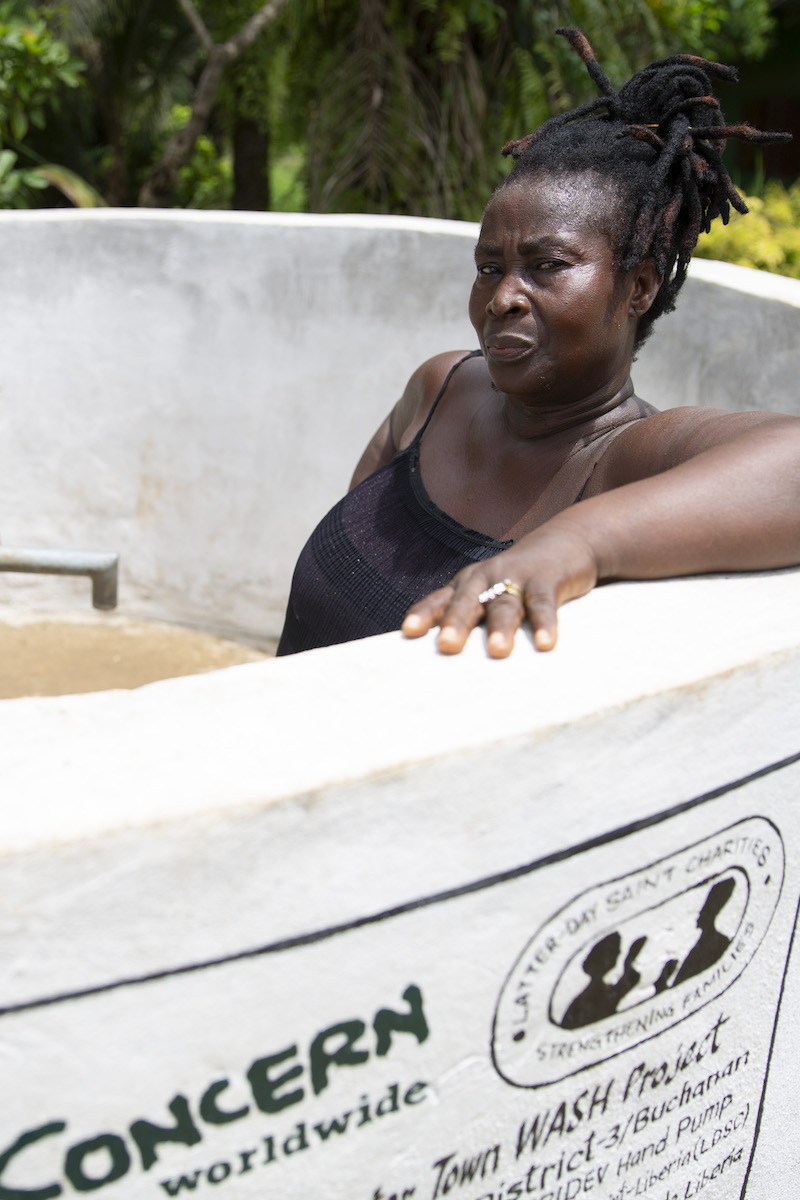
(99, 565)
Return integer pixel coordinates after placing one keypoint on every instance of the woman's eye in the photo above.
(486, 268)
(549, 264)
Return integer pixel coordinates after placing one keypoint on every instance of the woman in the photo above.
(511, 479)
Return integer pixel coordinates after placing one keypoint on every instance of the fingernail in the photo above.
(448, 636)
(412, 623)
(499, 645)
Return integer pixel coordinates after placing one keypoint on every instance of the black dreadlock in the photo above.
(658, 142)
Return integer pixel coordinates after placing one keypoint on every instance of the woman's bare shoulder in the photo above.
(663, 440)
(408, 415)
(412, 409)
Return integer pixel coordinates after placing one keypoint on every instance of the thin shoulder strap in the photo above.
(443, 389)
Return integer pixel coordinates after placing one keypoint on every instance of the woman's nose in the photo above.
(508, 297)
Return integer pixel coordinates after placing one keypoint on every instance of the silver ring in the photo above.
(507, 587)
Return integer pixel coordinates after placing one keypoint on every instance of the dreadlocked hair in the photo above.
(657, 143)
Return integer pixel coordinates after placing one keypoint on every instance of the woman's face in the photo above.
(555, 317)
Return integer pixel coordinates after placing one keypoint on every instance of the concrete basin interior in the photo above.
(67, 654)
(195, 408)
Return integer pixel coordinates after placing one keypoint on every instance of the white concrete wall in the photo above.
(193, 390)
(210, 885)
(732, 342)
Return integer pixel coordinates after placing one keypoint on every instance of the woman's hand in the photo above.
(550, 566)
(732, 506)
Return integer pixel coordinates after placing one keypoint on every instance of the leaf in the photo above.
(7, 160)
(76, 189)
(19, 124)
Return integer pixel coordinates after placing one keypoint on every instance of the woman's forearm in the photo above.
(735, 506)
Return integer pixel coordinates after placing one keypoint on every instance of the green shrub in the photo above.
(768, 237)
(35, 67)
(206, 181)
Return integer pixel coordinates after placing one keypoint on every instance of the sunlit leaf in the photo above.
(81, 193)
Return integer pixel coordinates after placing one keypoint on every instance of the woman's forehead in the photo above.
(548, 205)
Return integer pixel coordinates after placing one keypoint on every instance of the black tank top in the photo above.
(384, 546)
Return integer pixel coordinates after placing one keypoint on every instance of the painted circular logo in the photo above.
(627, 959)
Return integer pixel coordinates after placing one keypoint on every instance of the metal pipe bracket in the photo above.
(100, 565)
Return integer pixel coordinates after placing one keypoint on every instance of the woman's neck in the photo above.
(596, 412)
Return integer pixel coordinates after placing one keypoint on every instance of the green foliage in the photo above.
(35, 68)
(287, 182)
(767, 237)
(390, 100)
(139, 59)
(395, 106)
(16, 184)
(207, 179)
(247, 91)
(726, 29)
(404, 104)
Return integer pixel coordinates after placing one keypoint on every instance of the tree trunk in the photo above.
(159, 186)
(250, 167)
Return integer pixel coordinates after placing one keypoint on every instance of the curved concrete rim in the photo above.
(749, 280)
(432, 225)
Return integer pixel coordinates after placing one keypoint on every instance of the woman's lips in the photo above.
(505, 349)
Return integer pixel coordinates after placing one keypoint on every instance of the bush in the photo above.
(35, 67)
(768, 237)
(207, 179)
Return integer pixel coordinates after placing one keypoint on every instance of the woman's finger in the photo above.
(427, 612)
(504, 615)
(500, 603)
(462, 614)
(543, 616)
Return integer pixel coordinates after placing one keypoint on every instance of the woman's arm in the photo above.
(380, 450)
(726, 496)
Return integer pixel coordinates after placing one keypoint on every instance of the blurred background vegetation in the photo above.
(383, 106)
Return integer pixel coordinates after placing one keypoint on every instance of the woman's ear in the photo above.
(645, 284)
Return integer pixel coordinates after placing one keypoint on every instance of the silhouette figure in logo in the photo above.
(600, 999)
(662, 983)
(711, 945)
